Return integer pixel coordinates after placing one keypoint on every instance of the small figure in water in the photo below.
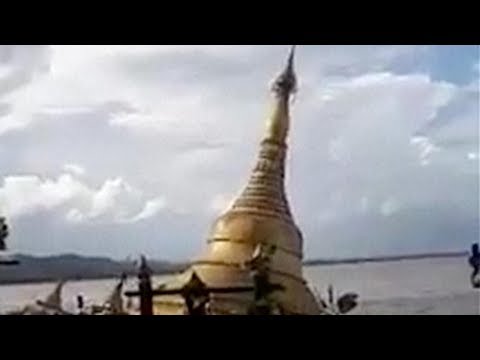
(474, 261)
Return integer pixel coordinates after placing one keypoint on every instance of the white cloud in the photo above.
(114, 201)
(80, 76)
(365, 140)
(426, 148)
(27, 194)
(74, 169)
(75, 216)
(20, 65)
(151, 208)
(112, 194)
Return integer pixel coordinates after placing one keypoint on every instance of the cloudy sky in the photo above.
(120, 150)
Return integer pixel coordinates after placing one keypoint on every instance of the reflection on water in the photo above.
(431, 286)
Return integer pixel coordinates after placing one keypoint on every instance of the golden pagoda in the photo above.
(260, 215)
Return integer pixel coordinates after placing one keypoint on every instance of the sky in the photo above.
(121, 150)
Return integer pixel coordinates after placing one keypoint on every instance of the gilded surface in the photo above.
(261, 214)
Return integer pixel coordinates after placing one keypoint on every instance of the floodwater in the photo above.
(427, 287)
(417, 287)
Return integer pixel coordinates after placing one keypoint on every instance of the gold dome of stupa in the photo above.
(260, 215)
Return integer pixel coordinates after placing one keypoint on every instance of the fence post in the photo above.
(145, 288)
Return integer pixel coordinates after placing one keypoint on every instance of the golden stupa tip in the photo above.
(286, 82)
(291, 58)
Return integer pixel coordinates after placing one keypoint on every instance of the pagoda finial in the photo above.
(284, 85)
(286, 82)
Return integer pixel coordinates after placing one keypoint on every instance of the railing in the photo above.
(196, 294)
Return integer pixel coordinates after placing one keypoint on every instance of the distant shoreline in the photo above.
(48, 280)
(35, 270)
(390, 258)
(70, 267)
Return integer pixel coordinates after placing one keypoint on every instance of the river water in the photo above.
(427, 286)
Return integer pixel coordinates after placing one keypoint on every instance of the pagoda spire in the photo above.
(283, 87)
(286, 83)
(265, 192)
(260, 217)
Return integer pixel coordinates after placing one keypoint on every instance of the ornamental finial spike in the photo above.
(286, 82)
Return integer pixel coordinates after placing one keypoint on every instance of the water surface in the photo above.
(427, 286)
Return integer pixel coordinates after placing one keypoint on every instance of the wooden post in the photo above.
(145, 289)
(3, 234)
(474, 261)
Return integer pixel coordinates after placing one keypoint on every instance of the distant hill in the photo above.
(74, 267)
